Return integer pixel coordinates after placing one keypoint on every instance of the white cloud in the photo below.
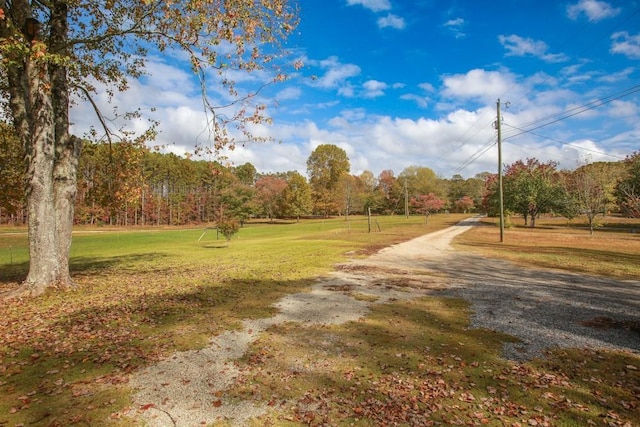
(374, 88)
(336, 73)
(374, 5)
(347, 90)
(594, 10)
(421, 101)
(456, 25)
(583, 151)
(626, 44)
(520, 46)
(440, 140)
(289, 93)
(479, 84)
(623, 109)
(616, 77)
(427, 87)
(392, 21)
(574, 74)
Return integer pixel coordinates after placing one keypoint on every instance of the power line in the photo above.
(475, 156)
(568, 113)
(581, 109)
(602, 153)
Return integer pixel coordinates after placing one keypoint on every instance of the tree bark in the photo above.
(39, 103)
(43, 262)
(67, 147)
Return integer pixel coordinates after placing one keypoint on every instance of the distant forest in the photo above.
(128, 185)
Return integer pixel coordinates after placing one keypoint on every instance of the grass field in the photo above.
(144, 294)
(613, 250)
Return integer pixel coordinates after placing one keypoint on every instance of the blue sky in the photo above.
(397, 83)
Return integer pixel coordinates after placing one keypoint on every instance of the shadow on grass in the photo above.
(65, 357)
(221, 245)
(405, 359)
(418, 363)
(17, 273)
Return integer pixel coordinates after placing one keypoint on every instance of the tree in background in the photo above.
(235, 198)
(426, 204)
(57, 48)
(297, 196)
(12, 204)
(349, 195)
(325, 166)
(246, 173)
(628, 190)
(458, 187)
(371, 196)
(422, 180)
(532, 188)
(588, 192)
(391, 190)
(228, 228)
(269, 195)
(109, 179)
(490, 200)
(464, 204)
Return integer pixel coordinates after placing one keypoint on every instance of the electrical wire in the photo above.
(574, 111)
(551, 119)
(602, 153)
(581, 109)
(471, 159)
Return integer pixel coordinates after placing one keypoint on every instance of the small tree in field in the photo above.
(427, 204)
(228, 228)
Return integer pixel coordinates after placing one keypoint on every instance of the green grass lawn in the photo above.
(144, 294)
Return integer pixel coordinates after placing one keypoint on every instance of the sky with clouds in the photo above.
(397, 83)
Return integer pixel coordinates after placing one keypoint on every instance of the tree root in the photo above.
(29, 290)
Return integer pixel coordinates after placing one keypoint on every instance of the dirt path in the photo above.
(541, 307)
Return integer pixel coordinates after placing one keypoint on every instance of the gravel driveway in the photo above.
(543, 308)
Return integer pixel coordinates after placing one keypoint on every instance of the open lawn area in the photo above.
(613, 250)
(66, 358)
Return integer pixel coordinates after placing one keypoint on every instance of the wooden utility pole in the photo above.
(500, 191)
(406, 199)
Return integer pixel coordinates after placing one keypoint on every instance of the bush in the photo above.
(228, 228)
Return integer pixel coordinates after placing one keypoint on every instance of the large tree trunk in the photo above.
(67, 147)
(39, 102)
(40, 150)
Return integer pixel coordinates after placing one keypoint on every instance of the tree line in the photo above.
(532, 188)
(126, 184)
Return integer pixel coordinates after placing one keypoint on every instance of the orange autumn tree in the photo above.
(51, 51)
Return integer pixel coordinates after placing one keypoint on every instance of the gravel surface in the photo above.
(543, 308)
